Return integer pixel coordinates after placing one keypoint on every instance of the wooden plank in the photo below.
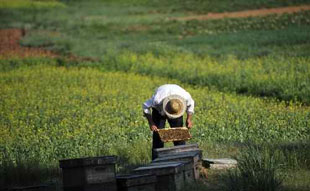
(162, 152)
(110, 186)
(192, 157)
(89, 161)
(222, 163)
(162, 168)
(29, 188)
(135, 180)
(91, 173)
(170, 175)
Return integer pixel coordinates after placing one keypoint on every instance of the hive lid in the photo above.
(89, 161)
(174, 134)
(184, 156)
(163, 152)
(129, 180)
(161, 168)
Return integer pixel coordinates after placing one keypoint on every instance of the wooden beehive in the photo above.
(133, 182)
(192, 157)
(174, 134)
(162, 152)
(89, 174)
(170, 175)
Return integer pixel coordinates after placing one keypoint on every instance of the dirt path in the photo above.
(10, 47)
(248, 13)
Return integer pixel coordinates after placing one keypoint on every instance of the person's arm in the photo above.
(152, 125)
(147, 113)
(190, 112)
(189, 123)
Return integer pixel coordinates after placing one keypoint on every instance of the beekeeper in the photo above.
(169, 102)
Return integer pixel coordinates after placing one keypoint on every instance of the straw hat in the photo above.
(174, 106)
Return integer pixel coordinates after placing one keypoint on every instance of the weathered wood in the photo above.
(223, 163)
(143, 182)
(90, 173)
(192, 157)
(29, 188)
(89, 161)
(110, 186)
(162, 152)
(170, 175)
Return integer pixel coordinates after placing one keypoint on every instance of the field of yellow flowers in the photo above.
(50, 113)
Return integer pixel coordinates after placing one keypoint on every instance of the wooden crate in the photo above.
(29, 188)
(87, 174)
(170, 175)
(134, 182)
(109, 186)
(193, 157)
(174, 134)
(163, 152)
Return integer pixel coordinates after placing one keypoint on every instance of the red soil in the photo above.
(10, 47)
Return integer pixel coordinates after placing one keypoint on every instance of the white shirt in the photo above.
(162, 92)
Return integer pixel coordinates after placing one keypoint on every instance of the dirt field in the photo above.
(10, 47)
(248, 13)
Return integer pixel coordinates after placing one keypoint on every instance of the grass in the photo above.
(260, 167)
(205, 6)
(257, 170)
(51, 109)
(30, 4)
(57, 107)
(249, 56)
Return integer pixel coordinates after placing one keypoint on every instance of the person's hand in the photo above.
(189, 124)
(153, 128)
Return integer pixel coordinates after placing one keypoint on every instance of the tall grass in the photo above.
(258, 169)
(266, 167)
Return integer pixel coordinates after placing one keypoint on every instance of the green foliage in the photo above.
(205, 6)
(52, 109)
(258, 169)
(285, 79)
(50, 113)
(30, 4)
(251, 56)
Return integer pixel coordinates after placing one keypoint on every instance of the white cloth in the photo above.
(156, 101)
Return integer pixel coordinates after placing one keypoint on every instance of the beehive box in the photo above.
(170, 175)
(188, 174)
(174, 134)
(142, 182)
(88, 174)
(192, 157)
(163, 152)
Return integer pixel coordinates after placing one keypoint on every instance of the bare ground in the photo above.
(10, 47)
(247, 13)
